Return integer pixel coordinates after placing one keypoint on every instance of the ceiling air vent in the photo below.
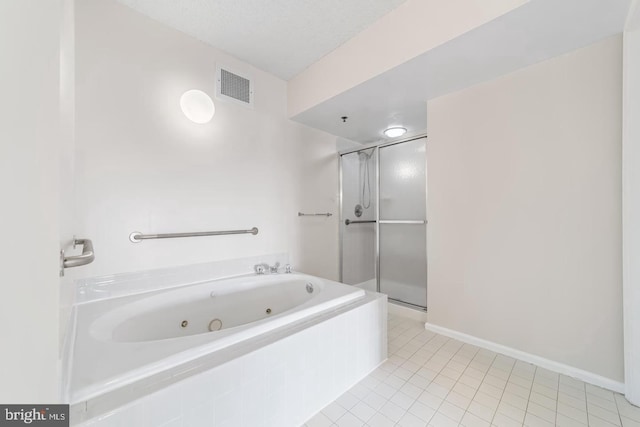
(234, 87)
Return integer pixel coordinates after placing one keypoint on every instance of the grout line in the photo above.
(503, 391)
(586, 403)
(447, 340)
(478, 389)
(526, 409)
(617, 408)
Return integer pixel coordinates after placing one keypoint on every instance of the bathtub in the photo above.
(120, 341)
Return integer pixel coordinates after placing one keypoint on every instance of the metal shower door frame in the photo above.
(376, 147)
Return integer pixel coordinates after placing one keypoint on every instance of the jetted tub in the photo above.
(121, 340)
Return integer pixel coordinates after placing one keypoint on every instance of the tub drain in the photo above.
(215, 325)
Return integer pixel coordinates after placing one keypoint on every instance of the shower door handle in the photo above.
(366, 221)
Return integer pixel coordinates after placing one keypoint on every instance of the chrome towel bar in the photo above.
(365, 221)
(137, 237)
(327, 214)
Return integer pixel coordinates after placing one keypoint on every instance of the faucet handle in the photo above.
(274, 268)
(287, 268)
(259, 268)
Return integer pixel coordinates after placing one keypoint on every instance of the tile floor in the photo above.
(432, 380)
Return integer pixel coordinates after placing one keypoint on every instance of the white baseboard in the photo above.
(407, 312)
(588, 377)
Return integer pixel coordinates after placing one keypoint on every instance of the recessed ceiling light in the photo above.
(395, 132)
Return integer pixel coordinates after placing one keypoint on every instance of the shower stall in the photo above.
(383, 227)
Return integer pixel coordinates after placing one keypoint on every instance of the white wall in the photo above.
(29, 154)
(524, 210)
(631, 203)
(411, 29)
(66, 189)
(142, 166)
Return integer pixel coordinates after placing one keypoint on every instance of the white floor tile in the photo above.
(422, 411)
(452, 411)
(392, 411)
(608, 416)
(609, 405)
(349, 420)
(564, 421)
(541, 412)
(379, 420)
(319, 420)
(600, 392)
(629, 411)
(628, 422)
(572, 401)
(486, 400)
(432, 401)
(363, 411)
(402, 400)
(511, 412)
(374, 400)
(531, 420)
(457, 399)
(432, 379)
(441, 420)
(333, 411)
(471, 420)
(599, 422)
(347, 400)
(543, 400)
(501, 420)
(410, 420)
(579, 415)
(481, 411)
(411, 390)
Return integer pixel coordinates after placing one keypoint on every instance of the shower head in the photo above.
(364, 155)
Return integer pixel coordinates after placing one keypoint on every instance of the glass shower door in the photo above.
(402, 222)
(358, 225)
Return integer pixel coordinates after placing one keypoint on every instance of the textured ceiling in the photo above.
(282, 37)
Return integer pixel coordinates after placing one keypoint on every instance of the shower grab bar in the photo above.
(137, 237)
(85, 258)
(366, 221)
(327, 214)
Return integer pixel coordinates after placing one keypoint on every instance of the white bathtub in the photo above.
(119, 341)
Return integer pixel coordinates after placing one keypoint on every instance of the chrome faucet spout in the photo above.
(261, 268)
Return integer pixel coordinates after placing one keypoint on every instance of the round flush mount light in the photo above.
(197, 106)
(395, 132)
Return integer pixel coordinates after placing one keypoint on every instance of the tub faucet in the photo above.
(265, 268)
(274, 268)
(261, 268)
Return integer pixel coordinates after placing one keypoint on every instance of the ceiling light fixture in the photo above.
(197, 106)
(395, 132)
